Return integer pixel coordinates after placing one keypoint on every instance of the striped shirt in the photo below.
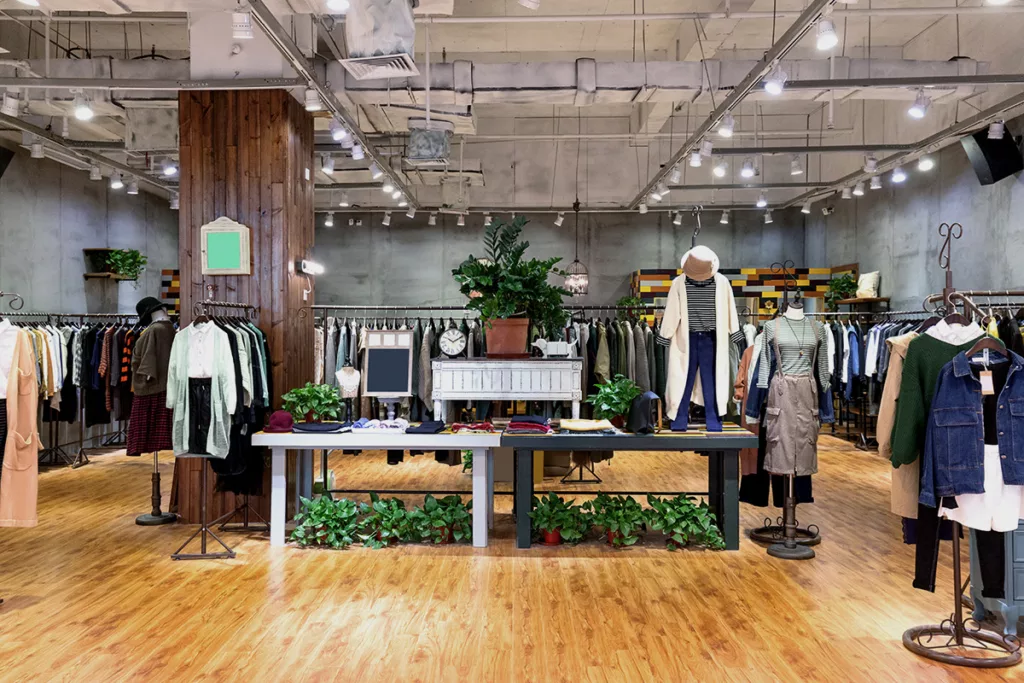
(797, 339)
(700, 304)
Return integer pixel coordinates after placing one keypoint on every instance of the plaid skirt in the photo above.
(149, 429)
(3, 429)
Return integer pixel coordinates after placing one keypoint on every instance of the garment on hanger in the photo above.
(641, 373)
(149, 429)
(19, 402)
(905, 481)
(748, 456)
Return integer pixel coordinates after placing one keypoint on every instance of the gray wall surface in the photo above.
(50, 212)
(410, 262)
(895, 230)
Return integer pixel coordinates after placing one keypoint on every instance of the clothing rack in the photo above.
(956, 636)
(209, 305)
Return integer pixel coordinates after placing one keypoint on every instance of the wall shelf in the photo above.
(106, 276)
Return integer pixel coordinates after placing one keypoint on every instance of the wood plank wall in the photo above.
(245, 154)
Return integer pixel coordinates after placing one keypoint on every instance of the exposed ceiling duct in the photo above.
(381, 38)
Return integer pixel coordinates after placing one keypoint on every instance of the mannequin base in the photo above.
(156, 520)
(798, 552)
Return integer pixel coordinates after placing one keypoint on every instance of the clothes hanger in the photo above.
(987, 342)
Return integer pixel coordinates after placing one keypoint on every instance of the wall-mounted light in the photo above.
(307, 267)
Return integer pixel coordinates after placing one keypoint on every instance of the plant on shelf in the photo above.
(442, 520)
(684, 522)
(613, 399)
(127, 264)
(505, 286)
(839, 288)
(312, 403)
(558, 521)
(387, 523)
(621, 517)
(327, 523)
(633, 308)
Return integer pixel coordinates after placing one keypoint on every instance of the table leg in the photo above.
(490, 488)
(479, 498)
(724, 494)
(524, 496)
(278, 494)
(439, 410)
(575, 410)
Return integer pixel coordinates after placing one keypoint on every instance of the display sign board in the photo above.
(226, 248)
(388, 372)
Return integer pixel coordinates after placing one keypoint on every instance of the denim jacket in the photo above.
(757, 398)
(954, 444)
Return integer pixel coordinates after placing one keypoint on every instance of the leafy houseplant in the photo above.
(620, 516)
(328, 523)
(313, 402)
(613, 399)
(387, 523)
(634, 306)
(839, 288)
(127, 263)
(683, 522)
(557, 520)
(504, 285)
(442, 521)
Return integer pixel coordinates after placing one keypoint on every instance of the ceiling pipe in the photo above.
(907, 82)
(159, 84)
(130, 18)
(811, 149)
(290, 51)
(784, 44)
(747, 186)
(661, 208)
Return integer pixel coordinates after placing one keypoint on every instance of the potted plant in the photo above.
(683, 522)
(327, 523)
(558, 521)
(630, 308)
(442, 521)
(510, 291)
(839, 288)
(613, 399)
(387, 523)
(621, 517)
(127, 264)
(312, 403)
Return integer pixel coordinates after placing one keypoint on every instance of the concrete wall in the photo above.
(49, 213)
(410, 263)
(895, 230)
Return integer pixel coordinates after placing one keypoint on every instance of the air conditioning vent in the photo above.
(384, 66)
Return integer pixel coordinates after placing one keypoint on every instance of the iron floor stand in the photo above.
(245, 509)
(789, 549)
(156, 517)
(774, 534)
(581, 466)
(203, 531)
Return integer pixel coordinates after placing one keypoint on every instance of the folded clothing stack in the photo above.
(433, 427)
(528, 424)
(396, 425)
(473, 428)
(588, 427)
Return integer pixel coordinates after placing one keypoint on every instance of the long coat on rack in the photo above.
(19, 481)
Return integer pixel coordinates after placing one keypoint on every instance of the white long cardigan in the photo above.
(675, 326)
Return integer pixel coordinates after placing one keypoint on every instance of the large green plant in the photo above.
(442, 520)
(506, 285)
(614, 398)
(388, 522)
(630, 308)
(313, 401)
(839, 288)
(328, 523)
(553, 513)
(622, 516)
(684, 522)
(128, 263)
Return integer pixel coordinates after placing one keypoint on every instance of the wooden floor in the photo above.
(92, 597)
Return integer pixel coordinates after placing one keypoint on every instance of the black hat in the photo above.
(146, 307)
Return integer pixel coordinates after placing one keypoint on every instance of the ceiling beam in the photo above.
(777, 51)
(152, 84)
(906, 82)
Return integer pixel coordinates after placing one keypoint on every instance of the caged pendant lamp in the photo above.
(577, 279)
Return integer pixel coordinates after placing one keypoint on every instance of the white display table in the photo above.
(528, 379)
(482, 446)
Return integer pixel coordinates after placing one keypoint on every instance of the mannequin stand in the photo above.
(245, 510)
(582, 466)
(204, 530)
(156, 517)
(789, 548)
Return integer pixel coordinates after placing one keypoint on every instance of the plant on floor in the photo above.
(684, 522)
(328, 523)
(630, 308)
(620, 516)
(839, 288)
(442, 520)
(558, 520)
(614, 398)
(467, 461)
(505, 285)
(387, 523)
(312, 403)
(127, 263)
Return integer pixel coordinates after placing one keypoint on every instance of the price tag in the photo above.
(987, 386)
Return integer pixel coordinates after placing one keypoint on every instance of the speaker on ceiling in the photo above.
(993, 160)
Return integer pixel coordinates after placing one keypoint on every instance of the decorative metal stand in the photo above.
(156, 517)
(204, 530)
(789, 548)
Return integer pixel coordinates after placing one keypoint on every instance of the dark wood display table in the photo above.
(722, 451)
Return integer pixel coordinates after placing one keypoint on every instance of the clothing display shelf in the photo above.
(958, 641)
(55, 453)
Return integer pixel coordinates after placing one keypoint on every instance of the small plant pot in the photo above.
(553, 537)
(506, 338)
(671, 543)
(612, 535)
(446, 536)
(619, 421)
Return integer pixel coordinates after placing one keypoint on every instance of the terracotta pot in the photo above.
(553, 537)
(612, 535)
(446, 536)
(619, 421)
(507, 337)
(310, 418)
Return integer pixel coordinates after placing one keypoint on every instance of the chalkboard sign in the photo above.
(388, 372)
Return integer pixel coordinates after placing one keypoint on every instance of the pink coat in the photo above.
(19, 480)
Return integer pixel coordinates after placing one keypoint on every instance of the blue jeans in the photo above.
(702, 358)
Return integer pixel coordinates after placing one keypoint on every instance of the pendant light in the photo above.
(577, 279)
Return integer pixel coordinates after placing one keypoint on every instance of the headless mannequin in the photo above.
(160, 314)
(795, 311)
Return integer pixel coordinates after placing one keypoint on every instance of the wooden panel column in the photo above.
(248, 155)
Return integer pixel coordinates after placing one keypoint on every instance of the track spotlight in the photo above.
(29, 3)
(876, 182)
(925, 164)
(858, 189)
(559, 220)
(411, 213)
(642, 208)
(724, 220)
(720, 169)
(776, 81)
(397, 194)
(487, 220)
(870, 164)
(169, 168)
(312, 99)
(655, 195)
(133, 186)
(695, 159)
(175, 202)
(847, 194)
(36, 151)
(11, 104)
(795, 168)
(83, 112)
(338, 131)
(344, 203)
(462, 220)
(678, 220)
(432, 219)
(706, 147)
(241, 25)
(375, 171)
(338, 6)
(768, 217)
(116, 183)
(747, 171)
(387, 187)
(387, 218)
(898, 174)
(95, 173)
(761, 201)
(996, 129)
(327, 164)
(403, 202)
(329, 221)
(676, 175)
(920, 106)
(727, 126)
(806, 208)
(827, 38)
(530, 4)
(663, 190)
(357, 152)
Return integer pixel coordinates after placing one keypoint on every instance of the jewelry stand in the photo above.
(204, 530)
(156, 517)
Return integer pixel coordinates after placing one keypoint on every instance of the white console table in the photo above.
(528, 379)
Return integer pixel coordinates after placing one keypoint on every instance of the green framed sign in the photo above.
(226, 248)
